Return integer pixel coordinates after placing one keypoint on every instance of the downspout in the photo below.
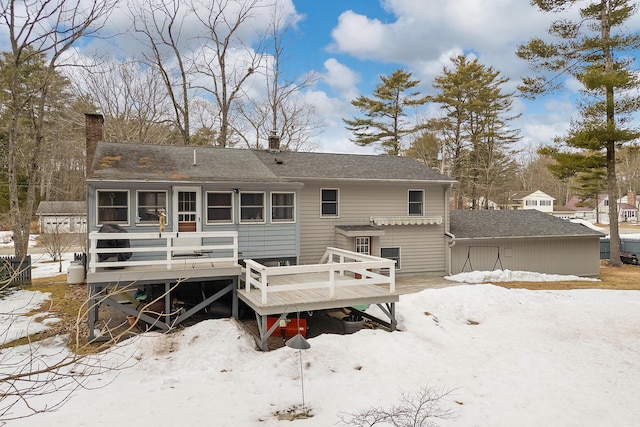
(451, 239)
(451, 242)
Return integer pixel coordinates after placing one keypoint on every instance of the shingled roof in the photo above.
(61, 208)
(305, 165)
(513, 224)
(118, 161)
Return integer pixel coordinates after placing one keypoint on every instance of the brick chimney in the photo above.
(93, 134)
(631, 198)
(274, 142)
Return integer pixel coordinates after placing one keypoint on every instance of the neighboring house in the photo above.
(563, 212)
(629, 207)
(523, 240)
(589, 210)
(62, 217)
(198, 213)
(525, 200)
(582, 209)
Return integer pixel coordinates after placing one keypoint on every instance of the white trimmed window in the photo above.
(150, 205)
(416, 202)
(531, 203)
(545, 202)
(251, 207)
(219, 207)
(283, 207)
(329, 202)
(391, 253)
(363, 245)
(113, 206)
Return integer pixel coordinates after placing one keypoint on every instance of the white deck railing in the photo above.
(365, 269)
(167, 257)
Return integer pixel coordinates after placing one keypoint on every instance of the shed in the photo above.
(523, 240)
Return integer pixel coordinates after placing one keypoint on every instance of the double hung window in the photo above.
(219, 207)
(416, 202)
(329, 202)
(113, 206)
(150, 205)
(283, 207)
(251, 207)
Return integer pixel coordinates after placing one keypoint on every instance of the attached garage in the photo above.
(522, 240)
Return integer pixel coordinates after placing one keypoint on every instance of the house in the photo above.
(581, 209)
(62, 217)
(598, 212)
(523, 240)
(530, 200)
(216, 217)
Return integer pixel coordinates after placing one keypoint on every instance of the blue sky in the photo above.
(316, 43)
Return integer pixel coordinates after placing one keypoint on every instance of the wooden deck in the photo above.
(342, 279)
(314, 296)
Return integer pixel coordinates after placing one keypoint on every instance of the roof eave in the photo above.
(395, 180)
(529, 237)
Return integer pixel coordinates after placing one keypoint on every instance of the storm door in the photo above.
(187, 214)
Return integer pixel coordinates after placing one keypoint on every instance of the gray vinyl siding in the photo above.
(422, 246)
(267, 241)
(557, 255)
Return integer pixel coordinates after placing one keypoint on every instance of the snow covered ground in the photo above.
(509, 357)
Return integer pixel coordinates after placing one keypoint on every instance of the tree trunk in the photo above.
(614, 232)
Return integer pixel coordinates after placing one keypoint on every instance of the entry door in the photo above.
(187, 214)
(363, 246)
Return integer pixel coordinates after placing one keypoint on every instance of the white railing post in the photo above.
(169, 240)
(247, 282)
(93, 255)
(392, 277)
(332, 283)
(235, 247)
(263, 284)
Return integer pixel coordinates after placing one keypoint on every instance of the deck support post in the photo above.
(234, 298)
(264, 334)
(92, 313)
(389, 309)
(167, 302)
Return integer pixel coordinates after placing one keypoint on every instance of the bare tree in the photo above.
(131, 98)
(415, 410)
(300, 124)
(161, 25)
(225, 59)
(283, 110)
(38, 28)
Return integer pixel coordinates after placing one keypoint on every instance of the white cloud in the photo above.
(424, 32)
(341, 79)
